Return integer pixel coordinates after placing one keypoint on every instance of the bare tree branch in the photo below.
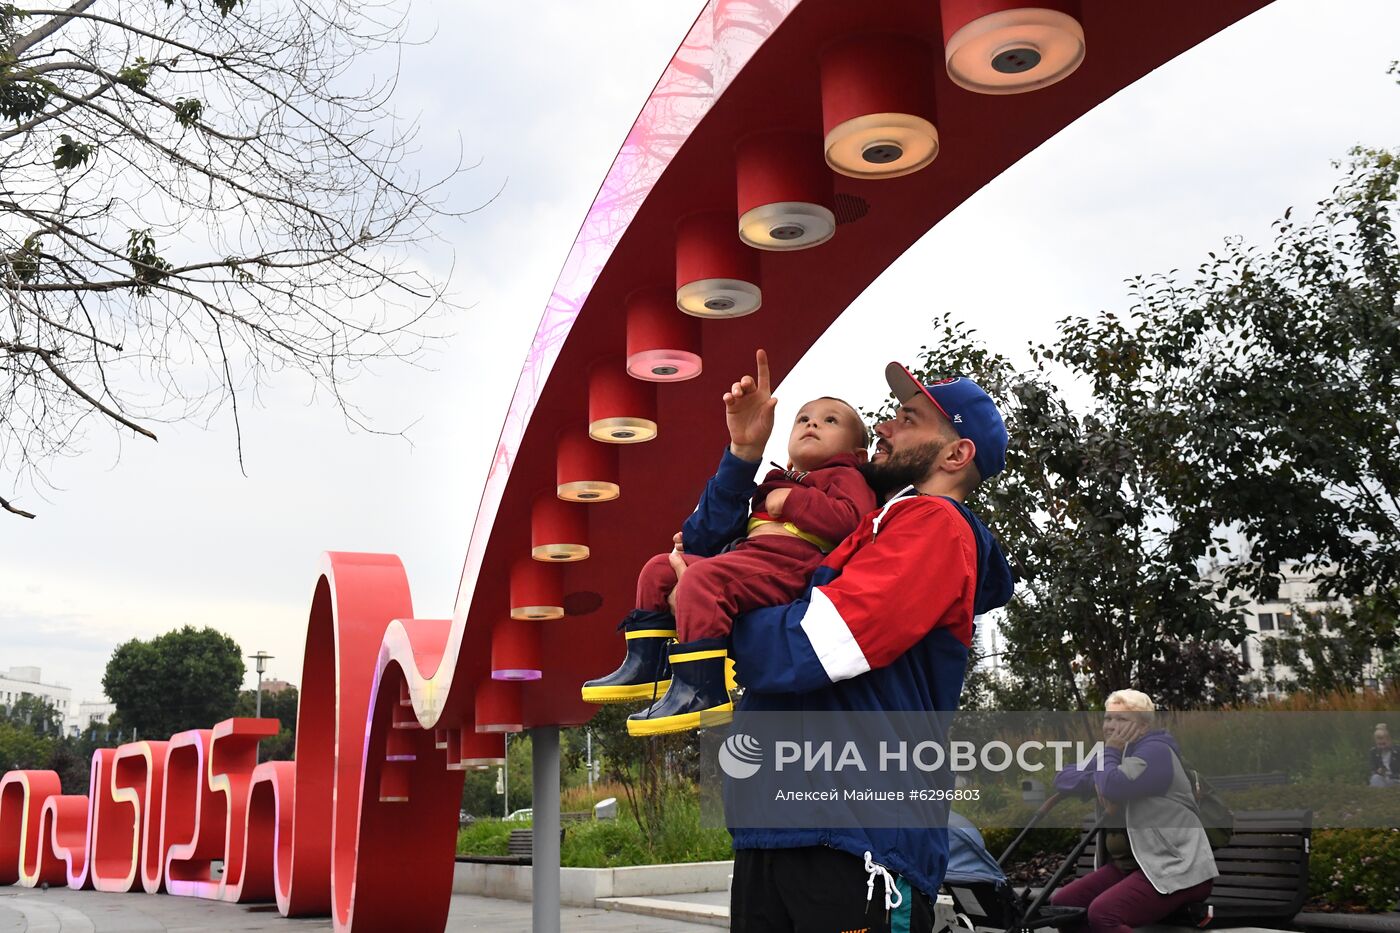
(195, 195)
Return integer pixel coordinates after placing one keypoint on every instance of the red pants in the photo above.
(765, 570)
(1119, 900)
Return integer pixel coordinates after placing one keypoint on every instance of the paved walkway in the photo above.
(59, 910)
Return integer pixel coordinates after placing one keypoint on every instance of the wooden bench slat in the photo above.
(1262, 882)
(1250, 853)
(1270, 840)
(1229, 866)
(1224, 890)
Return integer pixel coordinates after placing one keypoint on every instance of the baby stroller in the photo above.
(984, 900)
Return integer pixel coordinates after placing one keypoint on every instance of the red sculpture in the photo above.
(393, 709)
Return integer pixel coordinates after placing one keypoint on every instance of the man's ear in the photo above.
(960, 455)
(862, 455)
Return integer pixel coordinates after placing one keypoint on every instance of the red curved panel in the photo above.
(134, 803)
(393, 709)
(22, 798)
(63, 835)
(192, 832)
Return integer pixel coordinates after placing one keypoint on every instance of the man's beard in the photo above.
(902, 468)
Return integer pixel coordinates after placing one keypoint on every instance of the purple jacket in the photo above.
(1157, 748)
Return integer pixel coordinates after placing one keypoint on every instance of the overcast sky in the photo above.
(144, 538)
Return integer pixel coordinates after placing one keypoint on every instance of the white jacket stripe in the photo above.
(832, 641)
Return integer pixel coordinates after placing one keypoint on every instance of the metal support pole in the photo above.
(545, 873)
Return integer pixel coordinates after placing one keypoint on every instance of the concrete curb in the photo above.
(584, 887)
(710, 914)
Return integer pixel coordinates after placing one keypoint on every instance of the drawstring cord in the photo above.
(893, 897)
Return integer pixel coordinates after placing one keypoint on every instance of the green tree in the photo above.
(1107, 593)
(34, 713)
(23, 749)
(185, 679)
(30, 727)
(198, 194)
(281, 706)
(1276, 373)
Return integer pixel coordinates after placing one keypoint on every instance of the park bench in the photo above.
(1263, 871)
(1243, 781)
(520, 849)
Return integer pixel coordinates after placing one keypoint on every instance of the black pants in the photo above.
(816, 889)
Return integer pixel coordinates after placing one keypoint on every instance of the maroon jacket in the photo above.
(828, 502)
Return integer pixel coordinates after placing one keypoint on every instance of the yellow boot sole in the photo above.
(626, 693)
(684, 722)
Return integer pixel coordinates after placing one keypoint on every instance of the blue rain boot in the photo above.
(698, 698)
(644, 673)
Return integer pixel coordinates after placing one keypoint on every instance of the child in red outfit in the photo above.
(798, 515)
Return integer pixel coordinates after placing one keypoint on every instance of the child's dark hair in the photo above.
(860, 424)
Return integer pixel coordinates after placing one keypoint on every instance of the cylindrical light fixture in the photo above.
(536, 591)
(394, 782)
(1008, 47)
(558, 529)
(621, 410)
(481, 749)
(515, 650)
(663, 345)
(785, 191)
(498, 706)
(716, 274)
(877, 106)
(585, 470)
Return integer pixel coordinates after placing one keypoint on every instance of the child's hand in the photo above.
(748, 412)
(678, 543)
(773, 505)
(678, 566)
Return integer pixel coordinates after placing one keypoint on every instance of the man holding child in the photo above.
(885, 624)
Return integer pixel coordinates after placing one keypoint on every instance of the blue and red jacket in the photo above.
(885, 624)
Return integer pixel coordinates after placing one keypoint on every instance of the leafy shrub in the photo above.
(1357, 868)
(603, 844)
(486, 837)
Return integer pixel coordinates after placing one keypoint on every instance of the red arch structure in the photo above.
(791, 150)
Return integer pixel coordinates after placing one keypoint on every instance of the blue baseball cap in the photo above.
(963, 402)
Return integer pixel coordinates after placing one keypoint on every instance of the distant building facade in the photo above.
(276, 686)
(1274, 618)
(89, 712)
(20, 682)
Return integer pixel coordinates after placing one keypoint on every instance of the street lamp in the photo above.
(260, 660)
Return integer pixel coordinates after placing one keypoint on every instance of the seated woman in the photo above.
(1385, 759)
(1157, 858)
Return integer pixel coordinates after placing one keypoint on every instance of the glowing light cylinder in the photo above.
(558, 529)
(877, 106)
(585, 470)
(1006, 47)
(536, 591)
(785, 191)
(621, 410)
(515, 650)
(662, 344)
(716, 274)
(480, 749)
(498, 706)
